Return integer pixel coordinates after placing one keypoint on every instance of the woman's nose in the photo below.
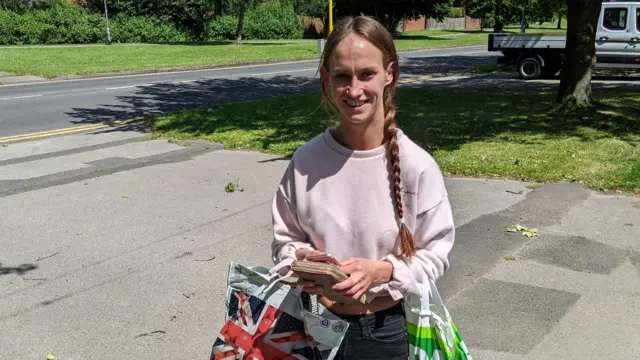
(354, 90)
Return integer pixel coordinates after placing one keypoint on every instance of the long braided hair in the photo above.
(371, 30)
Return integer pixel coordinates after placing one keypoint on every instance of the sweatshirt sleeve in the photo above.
(434, 233)
(288, 235)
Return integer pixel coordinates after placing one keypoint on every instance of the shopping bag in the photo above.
(266, 320)
(431, 332)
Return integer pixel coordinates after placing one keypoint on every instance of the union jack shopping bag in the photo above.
(266, 320)
(431, 332)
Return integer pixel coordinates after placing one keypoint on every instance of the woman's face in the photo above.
(356, 79)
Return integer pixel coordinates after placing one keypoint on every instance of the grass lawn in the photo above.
(51, 61)
(483, 134)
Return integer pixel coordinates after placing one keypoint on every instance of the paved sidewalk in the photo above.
(117, 248)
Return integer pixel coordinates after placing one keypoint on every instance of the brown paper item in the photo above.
(325, 275)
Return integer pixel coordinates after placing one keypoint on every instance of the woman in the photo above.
(359, 191)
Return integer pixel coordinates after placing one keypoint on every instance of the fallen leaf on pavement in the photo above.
(523, 230)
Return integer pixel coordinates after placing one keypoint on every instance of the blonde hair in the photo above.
(371, 30)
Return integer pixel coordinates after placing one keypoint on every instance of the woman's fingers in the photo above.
(345, 285)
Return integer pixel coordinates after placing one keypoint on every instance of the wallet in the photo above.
(326, 275)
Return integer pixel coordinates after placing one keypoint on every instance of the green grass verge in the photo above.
(470, 133)
(52, 61)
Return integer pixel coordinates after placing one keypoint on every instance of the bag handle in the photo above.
(435, 295)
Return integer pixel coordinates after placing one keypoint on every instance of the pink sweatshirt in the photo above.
(339, 201)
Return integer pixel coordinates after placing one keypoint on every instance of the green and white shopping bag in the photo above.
(432, 333)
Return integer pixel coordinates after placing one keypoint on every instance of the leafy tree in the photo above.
(390, 13)
(495, 12)
(20, 6)
(546, 10)
(316, 8)
(190, 15)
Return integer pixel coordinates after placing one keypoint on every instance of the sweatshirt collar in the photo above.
(359, 154)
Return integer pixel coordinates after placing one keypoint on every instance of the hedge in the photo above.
(74, 25)
(265, 22)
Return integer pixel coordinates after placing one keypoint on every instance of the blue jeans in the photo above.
(381, 335)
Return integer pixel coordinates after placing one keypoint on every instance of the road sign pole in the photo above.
(106, 16)
(330, 16)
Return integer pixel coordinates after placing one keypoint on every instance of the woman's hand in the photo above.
(362, 274)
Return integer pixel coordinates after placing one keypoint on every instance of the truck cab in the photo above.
(618, 35)
(541, 55)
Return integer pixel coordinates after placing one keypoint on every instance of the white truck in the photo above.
(541, 55)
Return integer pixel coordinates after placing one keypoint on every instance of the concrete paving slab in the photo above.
(471, 198)
(605, 322)
(37, 168)
(508, 317)
(62, 145)
(480, 354)
(612, 220)
(575, 253)
(486, 241)
(528, 272)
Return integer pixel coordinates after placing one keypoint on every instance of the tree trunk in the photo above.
(498, 25)
(240, 27)
(395, 21)
(391, 22)
(580, 50)
(559, 21)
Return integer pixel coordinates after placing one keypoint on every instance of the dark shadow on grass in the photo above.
(496, 110)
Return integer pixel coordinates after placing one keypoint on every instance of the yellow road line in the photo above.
(43, 134)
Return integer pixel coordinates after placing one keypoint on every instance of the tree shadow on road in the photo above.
(169, 97)
(416, 66)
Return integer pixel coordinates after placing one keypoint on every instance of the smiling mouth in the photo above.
(356, 103)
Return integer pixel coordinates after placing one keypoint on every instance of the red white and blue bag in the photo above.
(266, 320)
